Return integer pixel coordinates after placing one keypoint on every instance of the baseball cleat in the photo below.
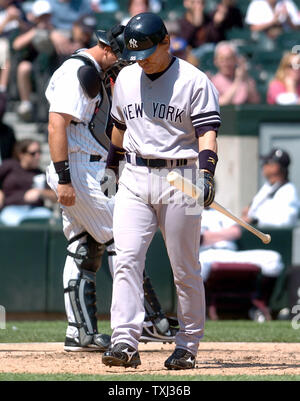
(121, 355)
(150, 334)
(180, 359)
(100, 342)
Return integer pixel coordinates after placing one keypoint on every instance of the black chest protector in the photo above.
(92, 82)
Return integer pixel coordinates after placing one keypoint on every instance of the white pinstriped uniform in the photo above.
(92, 212)
(160, 117)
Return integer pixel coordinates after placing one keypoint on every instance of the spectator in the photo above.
(272, 16)
(218, 244)
(232, 80)
(66, 12)
(27, 45)
(276, 203)
(23, 189)
(227, 16)
(135, 7)
(196, 26)
(284, 89)
(179, 48)
(7, 135)
(178, 45)
(104, 6)
(11, 18)
(82, 37)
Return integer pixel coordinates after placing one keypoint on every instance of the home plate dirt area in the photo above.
(213, 358)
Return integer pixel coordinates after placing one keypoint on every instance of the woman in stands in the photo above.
(284, 89)
(23, 188)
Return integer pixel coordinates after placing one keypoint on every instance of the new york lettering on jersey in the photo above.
(159, 110)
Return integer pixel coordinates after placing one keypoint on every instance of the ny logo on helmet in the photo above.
(133, 43)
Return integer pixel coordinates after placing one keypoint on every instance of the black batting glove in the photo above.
(206, 183)
(209, 188)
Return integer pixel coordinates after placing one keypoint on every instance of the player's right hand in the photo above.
(66, 194)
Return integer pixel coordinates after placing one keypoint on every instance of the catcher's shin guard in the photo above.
(82, 291)
(153, 308)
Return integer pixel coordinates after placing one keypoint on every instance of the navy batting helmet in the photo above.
(141, 35)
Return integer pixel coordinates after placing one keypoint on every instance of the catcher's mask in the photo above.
(115, 39)
(142, 34)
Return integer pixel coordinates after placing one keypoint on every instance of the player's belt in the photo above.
(155, 163)
(95, 158)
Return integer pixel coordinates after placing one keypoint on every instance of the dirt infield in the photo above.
(212, 359)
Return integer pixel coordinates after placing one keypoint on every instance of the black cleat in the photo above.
(100, 343)
(121, 355)
(180, 359)
(150, 334)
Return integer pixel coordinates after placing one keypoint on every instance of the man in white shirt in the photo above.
(218, 236)
(276, 203)
(272, 16)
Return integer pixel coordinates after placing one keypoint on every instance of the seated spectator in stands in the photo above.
(218, 244)
(82, 37)
(135, 7)
(179, 48)
(7, 135)
(272, 17)
(12, 17)
(23, 188)
(27, 46)
(66, 12)
(104, 6)
(276, 203)
(178, 45)
(284, 89)
(227, 16)
(196, 26)
(233, 82)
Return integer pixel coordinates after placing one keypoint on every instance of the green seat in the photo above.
(287, 40)
(31, 221)
(239, 33)
(106, 20)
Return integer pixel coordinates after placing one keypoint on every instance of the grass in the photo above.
(142, 378)
(223, 330)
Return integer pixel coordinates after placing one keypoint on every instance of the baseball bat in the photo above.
(186, 186)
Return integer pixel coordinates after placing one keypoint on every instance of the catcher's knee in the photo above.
(88, 254)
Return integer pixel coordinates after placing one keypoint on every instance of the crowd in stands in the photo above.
(222, 38)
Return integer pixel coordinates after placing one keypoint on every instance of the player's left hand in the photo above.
(109, 183)
(206, 183)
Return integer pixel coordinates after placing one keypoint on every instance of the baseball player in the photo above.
(78, 117)
(166, 117)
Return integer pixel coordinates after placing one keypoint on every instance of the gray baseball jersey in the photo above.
(161, 115)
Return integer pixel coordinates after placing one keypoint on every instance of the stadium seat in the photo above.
(240, 34)
(230, 286)
(106, 20)
(32, 221)
(287, 40)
